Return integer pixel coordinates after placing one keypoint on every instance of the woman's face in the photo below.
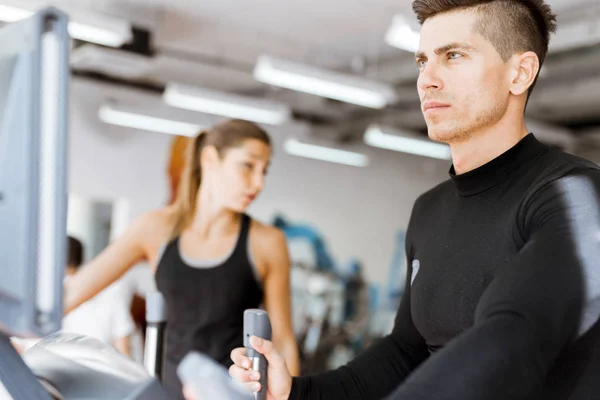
(238, 177)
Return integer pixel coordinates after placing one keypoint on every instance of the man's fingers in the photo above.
(253, 386)
(266, 348)
(243, 375)
(238, 356)
(188, 393)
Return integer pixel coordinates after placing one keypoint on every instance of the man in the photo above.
(503, 287)
(105, 317)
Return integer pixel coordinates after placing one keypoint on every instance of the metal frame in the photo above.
(33, 188)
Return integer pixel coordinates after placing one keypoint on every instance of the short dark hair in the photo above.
(75, 252)
(511, 26)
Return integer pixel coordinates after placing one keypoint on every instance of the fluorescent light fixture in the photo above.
(376, 137)
(296, 148)
(401, 35)
(226, 104)
(84, 26)
(110, 115)
(321, 82)
(583, 33)
(12, 14)
(49, 163)
(100, 35)
(109, 61)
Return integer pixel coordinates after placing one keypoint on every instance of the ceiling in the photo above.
(216, 43)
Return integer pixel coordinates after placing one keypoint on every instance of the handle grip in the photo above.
(257, 323)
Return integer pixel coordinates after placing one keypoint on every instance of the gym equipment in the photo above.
(383, 312)
(257, 323)
(78, 367)
(34, 73)
(209, 380)
(329, 300)
(396, 274)
(33, 199)
(156, 322)
(74, 367)
(324, 262)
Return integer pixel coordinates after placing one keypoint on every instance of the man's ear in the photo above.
(525, 68)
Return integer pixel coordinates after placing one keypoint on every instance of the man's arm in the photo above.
(123, 344)
(377, 371)
(538, 303)
(122, 325)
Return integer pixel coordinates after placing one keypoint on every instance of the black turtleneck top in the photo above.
(502, 295)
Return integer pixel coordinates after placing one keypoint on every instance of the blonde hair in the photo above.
(222, 137)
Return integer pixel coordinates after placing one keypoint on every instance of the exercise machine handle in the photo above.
(156, 326)
(257, 323)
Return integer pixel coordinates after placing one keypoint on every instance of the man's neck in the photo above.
(482, 147)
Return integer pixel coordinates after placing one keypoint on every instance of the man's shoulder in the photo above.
(570, 161)
(428, 203)
(559, 178)
(558, 165)
(435, 194)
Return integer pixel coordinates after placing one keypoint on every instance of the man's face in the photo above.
(463, 84)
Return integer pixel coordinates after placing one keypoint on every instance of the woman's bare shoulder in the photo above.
(156, 223)
(268, 237)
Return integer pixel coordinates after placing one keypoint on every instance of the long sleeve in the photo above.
(376, 371)
(538, 303)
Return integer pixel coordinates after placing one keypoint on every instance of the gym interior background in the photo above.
(345, 216)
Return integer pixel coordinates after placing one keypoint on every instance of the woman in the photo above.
(211, 260)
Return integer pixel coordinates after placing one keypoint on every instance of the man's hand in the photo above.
(188, 393)
(279, 378)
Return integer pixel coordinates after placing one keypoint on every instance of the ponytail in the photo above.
(189, 185)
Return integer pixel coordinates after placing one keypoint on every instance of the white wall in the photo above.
(359, 210)
(110, 163)
(89, 221)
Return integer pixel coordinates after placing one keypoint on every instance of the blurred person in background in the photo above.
(106, 316)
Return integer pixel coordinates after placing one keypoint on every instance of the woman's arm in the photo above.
(277, 301)
(112, 262)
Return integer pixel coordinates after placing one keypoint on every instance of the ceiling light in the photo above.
(116, 37)
(110, 62)
(12, 14)
(85, 26)
(401, 35)
(405, 143)
(320, 82)
(297, 148)
(583, 33)
(226, 104)
(111, 115)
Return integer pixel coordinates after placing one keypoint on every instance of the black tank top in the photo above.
(206, 305)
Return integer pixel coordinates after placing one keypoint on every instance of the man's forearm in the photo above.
(500, 360)
(372, 375)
